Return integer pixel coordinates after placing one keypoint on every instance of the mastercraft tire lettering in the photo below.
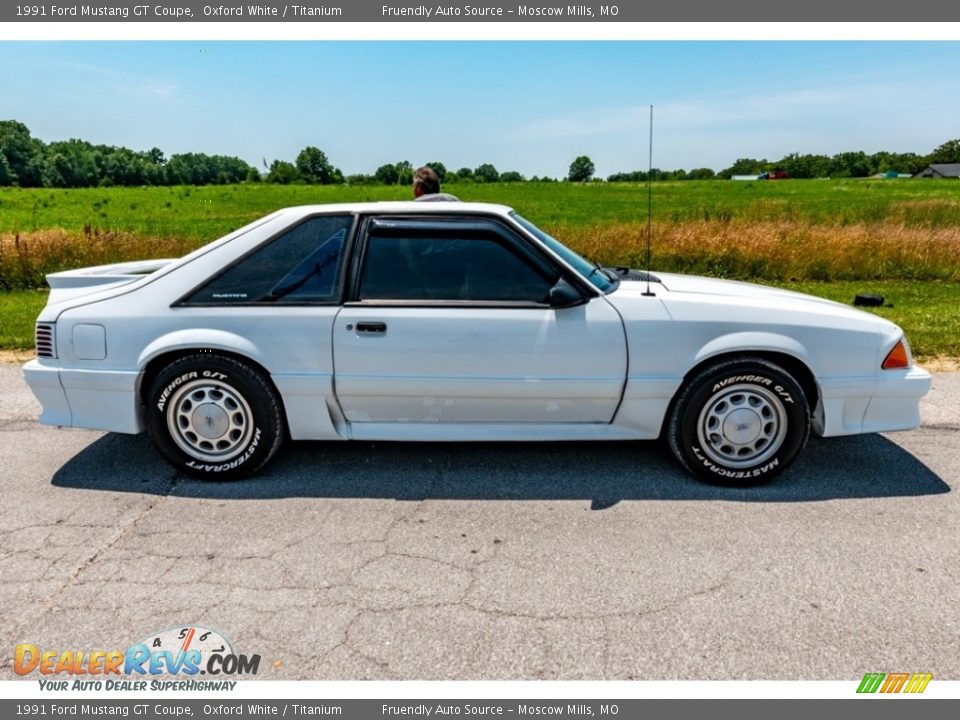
(214, 416)
(739, 422)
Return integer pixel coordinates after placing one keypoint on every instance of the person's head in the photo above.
(425, 182)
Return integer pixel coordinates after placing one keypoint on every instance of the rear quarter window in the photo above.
(302, 265)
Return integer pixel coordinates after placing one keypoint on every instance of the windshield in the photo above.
(592, 272)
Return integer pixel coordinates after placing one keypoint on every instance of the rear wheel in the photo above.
(214, 416)
(739, 422)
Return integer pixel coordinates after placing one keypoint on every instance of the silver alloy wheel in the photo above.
(742, 426)
(209, 420)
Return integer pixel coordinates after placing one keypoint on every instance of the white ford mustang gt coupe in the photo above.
(454, 321)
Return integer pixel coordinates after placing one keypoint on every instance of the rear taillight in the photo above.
(46, 340)
(898, 357)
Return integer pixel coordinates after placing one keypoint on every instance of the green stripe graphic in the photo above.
(871, 682)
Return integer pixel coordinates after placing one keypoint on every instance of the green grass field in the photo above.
(18, 313)
(203, 213)
(900, 238)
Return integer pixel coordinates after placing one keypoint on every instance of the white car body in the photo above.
(608, 367)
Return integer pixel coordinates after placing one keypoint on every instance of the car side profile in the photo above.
(454, 321)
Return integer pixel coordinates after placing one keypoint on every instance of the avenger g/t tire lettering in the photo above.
(739, 422)
(214, 417)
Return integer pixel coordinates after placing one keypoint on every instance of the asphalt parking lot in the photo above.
(491, 561)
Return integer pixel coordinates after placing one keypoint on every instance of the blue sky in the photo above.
(526, 106)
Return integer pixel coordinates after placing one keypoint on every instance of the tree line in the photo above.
(857, 164)
(26, 161)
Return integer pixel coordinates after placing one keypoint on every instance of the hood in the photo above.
(687, 296)
(735, 289)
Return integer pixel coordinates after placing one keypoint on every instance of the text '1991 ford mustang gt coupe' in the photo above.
(454, 321)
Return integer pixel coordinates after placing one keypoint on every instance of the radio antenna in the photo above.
(648, 293)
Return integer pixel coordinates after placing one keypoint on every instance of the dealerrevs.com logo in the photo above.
(889, 683)
(186, 651)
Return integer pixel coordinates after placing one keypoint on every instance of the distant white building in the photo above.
(940, 170)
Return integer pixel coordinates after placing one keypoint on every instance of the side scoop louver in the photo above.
(46, 340)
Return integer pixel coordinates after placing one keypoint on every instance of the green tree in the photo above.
(486, 173)
(635, 176)
(387, 174)
(360, 179)
(120, 166)
(744, 166)
(283, 173)
(71, 163)
(581, 169)
(404, 173)
(155, 174)
(314, 167)
(439, 168)
(906, 163)
(805, 166)
(465, 173)
(22, 153)
(701, 174)
(511, 176)
(155, 156)
(853, 164)
(949, 152)
(7, 175)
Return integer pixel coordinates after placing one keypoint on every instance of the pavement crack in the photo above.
(74, 579)
(605, 658)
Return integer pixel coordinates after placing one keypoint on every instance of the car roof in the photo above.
(407, 207)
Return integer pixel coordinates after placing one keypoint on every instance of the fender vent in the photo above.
(46, 340)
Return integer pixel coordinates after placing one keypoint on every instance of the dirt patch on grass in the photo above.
(16, 356)
(940, 363)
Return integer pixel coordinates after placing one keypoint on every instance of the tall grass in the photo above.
(778, 251)
(776, 231)
(25, 258)
(773, 251)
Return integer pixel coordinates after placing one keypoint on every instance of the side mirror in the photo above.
(563, 294)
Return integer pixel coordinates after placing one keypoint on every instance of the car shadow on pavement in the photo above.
(868, 466)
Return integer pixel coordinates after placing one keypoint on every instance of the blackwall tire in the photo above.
(739, 422)
(214, 417)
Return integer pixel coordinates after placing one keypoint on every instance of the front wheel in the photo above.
(214, 416)
(739, 422)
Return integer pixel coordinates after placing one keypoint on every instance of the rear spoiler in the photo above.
(116, 273)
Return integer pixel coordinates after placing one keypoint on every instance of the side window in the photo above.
(300, 266)
(449, 268)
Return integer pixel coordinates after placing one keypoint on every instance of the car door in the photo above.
(448, 322)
